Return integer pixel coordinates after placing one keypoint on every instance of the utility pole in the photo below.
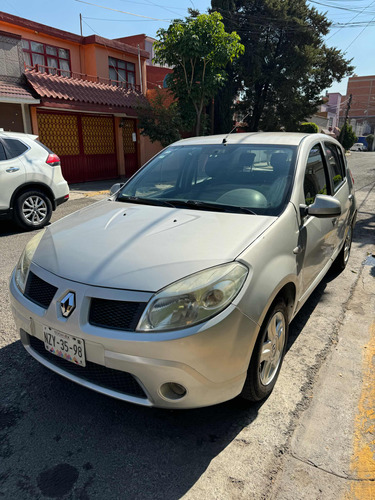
(343, 128)
(80, 22)
(348, 108)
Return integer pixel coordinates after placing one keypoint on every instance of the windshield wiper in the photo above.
(145, 201)
(204, 205)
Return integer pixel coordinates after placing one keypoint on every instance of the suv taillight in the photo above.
(53, 160)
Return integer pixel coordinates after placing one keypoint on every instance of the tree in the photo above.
(160, 119)
(309, 128)
(370, 140)
(286, 64)
(347, 136)
(198, 49)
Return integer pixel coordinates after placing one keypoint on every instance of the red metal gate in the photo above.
(85, 144)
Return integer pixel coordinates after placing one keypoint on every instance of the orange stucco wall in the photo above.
(89, 60)
(40, 37)
(148, 149)
(102, 67)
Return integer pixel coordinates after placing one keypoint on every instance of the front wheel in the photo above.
(33, 210)
(268, 354)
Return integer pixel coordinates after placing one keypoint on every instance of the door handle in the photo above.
(12, 169)
(298, 250)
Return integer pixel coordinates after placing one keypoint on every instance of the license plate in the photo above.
(65, 346)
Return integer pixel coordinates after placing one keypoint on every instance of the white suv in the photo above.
(31, 182)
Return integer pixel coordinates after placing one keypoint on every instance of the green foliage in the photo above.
(198, 49)
(370, 141)
(286, 64)
(159, 121)
(309, 128)
(347, 136)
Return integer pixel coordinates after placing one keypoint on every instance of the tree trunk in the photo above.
(259, 103)
(198, 123)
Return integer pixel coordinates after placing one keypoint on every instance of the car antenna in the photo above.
(234, 128)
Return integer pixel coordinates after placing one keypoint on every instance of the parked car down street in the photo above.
(358, 146)
(178, 289)
(31, 181)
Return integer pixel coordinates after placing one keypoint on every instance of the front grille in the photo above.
(115, 314)
(97, 374)
(39, 291)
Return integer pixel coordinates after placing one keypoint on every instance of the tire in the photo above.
(339, 264)
(268, 354)
(32, 210)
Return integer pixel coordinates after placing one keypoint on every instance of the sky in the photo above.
(353, 29)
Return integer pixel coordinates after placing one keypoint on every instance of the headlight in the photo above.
(23, 265)
(193, 299)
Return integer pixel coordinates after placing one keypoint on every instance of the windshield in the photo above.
(244, 178)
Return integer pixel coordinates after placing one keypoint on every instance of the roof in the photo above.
(14, 92)
(282, 138)
(18, 135)
(82, 91)
(71, 37)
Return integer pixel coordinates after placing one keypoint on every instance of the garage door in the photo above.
(84, 143)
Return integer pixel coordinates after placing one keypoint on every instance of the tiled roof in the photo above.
(76, 90)
(12, 91)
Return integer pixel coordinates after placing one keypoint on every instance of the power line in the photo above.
(359, 13)
(359, 34)
(165, 8)
(122, 11)
(156, 5)
(121, 20)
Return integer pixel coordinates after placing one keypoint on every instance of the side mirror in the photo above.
(324, 207)
(116, 187)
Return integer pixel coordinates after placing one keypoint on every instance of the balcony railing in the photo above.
(64, 73)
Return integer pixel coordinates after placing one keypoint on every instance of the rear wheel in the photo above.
(342, 259)
(268, 354)
(33, 210)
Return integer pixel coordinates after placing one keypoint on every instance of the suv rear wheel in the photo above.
(33, 209)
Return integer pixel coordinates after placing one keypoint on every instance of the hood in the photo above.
(142, 247)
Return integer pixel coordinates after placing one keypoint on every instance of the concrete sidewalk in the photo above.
(332, 451)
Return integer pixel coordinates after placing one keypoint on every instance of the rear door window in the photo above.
(14, 147)
(335, 165)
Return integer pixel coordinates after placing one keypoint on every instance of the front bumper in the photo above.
(209, 360)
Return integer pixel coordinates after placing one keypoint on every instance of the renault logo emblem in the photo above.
(68, 304)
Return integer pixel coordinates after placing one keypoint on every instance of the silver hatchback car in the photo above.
(177, 290)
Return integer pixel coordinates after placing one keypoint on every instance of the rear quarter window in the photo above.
(2, 153)
(336, 166)
(49, 151)
(14, 147)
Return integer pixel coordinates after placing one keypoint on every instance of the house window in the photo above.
(56, 59)
(121, 71)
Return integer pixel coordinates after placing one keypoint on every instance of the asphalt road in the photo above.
(58, 440)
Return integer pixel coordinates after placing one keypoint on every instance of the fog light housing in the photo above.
(173, 391)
